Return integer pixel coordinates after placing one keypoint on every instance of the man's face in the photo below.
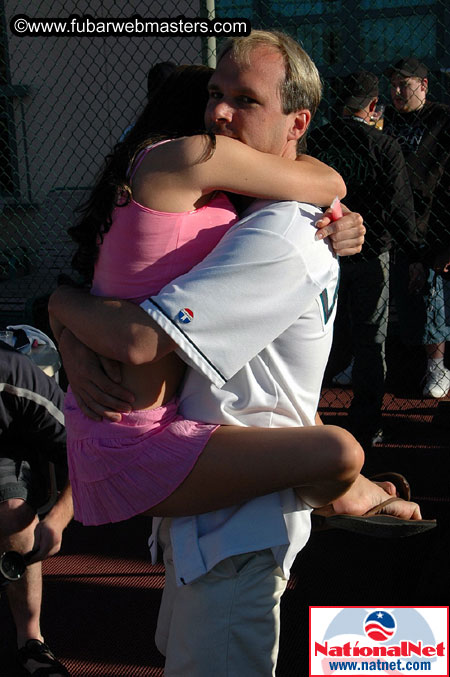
(408, 93)
(244, 102)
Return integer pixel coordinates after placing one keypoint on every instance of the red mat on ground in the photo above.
(101, 595)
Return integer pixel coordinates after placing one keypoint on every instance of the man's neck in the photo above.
(411, 112)
(419, 108)
(290, 151)
(359, 116)
(362, 114)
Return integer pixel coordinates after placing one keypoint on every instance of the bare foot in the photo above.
(365, 495)
(388, 487)
(407, 510)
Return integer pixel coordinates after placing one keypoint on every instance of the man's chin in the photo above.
(400, 105)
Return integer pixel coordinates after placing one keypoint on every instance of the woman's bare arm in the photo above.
(116, 329)
(180, 167)
(236, 167)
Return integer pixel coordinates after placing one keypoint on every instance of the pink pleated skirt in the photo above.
(118, 470)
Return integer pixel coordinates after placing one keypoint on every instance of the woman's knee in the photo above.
(348, 453)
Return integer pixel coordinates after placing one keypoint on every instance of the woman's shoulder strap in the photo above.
(141, 155)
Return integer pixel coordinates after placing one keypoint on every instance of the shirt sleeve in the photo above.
(32, 408)
(245, 293)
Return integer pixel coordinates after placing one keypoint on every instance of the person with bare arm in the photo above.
(253, 322)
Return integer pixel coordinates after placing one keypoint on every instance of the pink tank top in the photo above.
(145, 249)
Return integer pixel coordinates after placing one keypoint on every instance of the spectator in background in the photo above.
(373, 167)
(31, 429)
(422, 295)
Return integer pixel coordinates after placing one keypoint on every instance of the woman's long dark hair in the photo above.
(176, 109)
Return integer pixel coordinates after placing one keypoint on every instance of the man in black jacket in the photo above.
(31, 429)
(373, 167)
(423, 295)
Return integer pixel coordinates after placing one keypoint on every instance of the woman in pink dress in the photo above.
(157, 210)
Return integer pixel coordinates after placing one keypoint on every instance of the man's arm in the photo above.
(124, 332)
(48, 532)
(37, 413)
(97, 392)
(262, 258)
(121, 331)
(37, 402)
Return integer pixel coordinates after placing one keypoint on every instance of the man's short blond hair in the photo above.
(301, 87)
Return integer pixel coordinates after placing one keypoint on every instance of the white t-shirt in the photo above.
(254, 321)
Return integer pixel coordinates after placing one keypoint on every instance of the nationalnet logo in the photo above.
(367, 641)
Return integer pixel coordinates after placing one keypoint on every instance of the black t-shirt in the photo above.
(424, 136)
(31, 410)
(373, 168)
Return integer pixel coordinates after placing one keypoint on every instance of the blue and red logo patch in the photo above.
(185, 316)
(364, 641)
(380, 626)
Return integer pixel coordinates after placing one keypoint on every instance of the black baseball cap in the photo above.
(409, 68)
(358, 89)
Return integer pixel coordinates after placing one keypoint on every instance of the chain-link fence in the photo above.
(65, 100)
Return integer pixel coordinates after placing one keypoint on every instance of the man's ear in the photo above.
(372, 105)
(425, 84)
(300, 123)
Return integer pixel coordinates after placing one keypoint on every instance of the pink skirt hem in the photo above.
(119, 470)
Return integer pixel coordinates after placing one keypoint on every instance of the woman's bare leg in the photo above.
(238, 463)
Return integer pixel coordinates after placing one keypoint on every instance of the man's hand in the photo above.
(48, 532)
(47, 540)
(346, 234)
(97, 389)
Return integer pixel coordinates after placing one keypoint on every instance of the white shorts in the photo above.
(225, 623)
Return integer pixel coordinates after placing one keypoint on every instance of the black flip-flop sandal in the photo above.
(39, 652)
(373, 523)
